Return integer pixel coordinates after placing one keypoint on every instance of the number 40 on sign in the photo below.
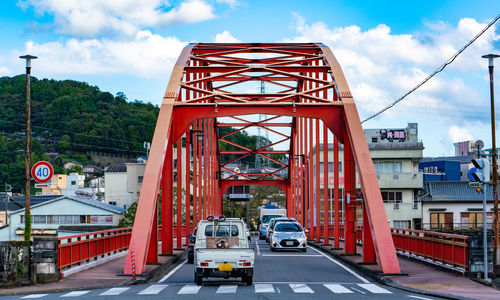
(42, 171)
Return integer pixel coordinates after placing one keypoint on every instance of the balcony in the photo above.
(400, 180)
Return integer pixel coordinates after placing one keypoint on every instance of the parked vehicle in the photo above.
(272, 223)
(265, 215)
(222, 250)
(191, 241)
(287, 236)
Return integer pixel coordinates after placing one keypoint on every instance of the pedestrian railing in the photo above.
(450, 249)
(81, 248)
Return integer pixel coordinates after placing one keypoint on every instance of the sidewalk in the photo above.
(422, 276)
(105, 275)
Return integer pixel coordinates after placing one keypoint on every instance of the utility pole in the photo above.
(27, 173)
(490, 58)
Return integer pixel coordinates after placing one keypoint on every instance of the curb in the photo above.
(376, 276)
(146, 277)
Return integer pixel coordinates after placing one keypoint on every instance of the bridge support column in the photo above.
(325, 187)
(336, 202)
(152, 257)
(167, 203)
(178, 222)
(368, 248)
(188, 185)
(349, 198)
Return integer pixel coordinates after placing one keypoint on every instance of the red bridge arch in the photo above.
(311, 90)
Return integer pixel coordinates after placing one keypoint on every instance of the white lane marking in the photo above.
(172, 272)
(359, 291)
(341, 265)
(258, 249)
(114, 291)
(189, 289)
(374, 288)
(293, 255)
(264, 288)
(154, 289)
(338, 289)
(300, 288)
(32, 296)
(75, 294)
(417, 297)
(227, 289)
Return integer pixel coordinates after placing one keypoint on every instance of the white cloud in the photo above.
(146, 55)
(231, 3)
(381, 66)
(225, 37)
(91, 18)
(459, 134)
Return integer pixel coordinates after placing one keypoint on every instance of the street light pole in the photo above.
(490, 58)
(27, 173)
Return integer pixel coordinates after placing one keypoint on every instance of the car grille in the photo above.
(283, 243)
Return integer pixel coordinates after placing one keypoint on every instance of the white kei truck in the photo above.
(222, 250)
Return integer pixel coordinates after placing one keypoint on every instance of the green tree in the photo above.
(128, 217)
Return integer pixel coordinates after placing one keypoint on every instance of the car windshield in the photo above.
(282, 221)
(222, 230)
(267, 218)
(288, 227)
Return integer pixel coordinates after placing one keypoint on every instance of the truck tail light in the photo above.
(204, 264)
(247, 264)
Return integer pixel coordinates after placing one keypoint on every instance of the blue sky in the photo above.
(384, 47)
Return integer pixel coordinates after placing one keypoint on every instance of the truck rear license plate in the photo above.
(225, 267)
(289, 243)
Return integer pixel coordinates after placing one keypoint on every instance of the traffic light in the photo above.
(481, 170)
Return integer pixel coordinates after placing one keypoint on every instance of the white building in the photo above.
(123, 183)
(453, 205)
(395, 154)
(59, 216)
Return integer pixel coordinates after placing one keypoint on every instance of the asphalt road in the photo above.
(278, 275)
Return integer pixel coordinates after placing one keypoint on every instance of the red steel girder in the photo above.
(315, 89)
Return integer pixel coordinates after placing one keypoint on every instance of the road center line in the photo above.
(258, 249)
(341, 265)
(172, 272)
(417, 297)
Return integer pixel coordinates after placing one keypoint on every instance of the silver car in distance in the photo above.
(288, 235)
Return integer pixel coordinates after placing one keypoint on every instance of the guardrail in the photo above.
(451, 249)
(445, 248)
(77, 249)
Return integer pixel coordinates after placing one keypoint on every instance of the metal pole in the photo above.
(27, 173)
(485, 237)
(490, 58)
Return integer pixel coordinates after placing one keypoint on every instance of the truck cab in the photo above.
(222, 250)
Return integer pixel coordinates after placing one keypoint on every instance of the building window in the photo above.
(441, 220)
(374, 139)
(39, 219)
(392, 197)
(139, 179)
(388, 166)
(73, 182)
(175, 176)
(404, 224)
(112, 203)
(473, 220)
(330, 167)
(175, 163)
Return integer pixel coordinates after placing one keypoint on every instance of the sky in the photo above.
(384, 47)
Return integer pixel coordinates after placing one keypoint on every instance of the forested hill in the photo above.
(92, 119)
(69, 117)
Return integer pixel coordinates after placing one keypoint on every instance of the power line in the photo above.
(441, 68)
(70, 132)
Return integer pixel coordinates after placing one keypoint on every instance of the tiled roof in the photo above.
(91, 202)
(454, 191)
(117, 168)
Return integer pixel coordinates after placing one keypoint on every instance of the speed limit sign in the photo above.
(42, 171)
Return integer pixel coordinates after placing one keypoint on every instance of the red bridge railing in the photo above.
(446, 248)
(77, 249)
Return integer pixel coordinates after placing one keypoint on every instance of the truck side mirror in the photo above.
(192, 238)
